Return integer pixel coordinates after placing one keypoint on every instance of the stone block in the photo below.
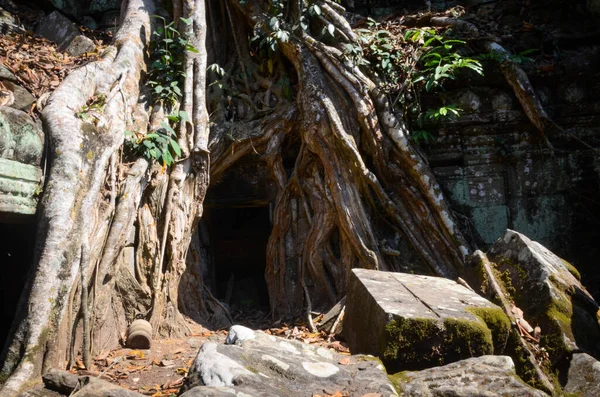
(21, 139)
(490, 376)
(490, 222)
(22, 98)
(584, 376)
(58, 28)
(550, 294)
(414, 322)
(80, 45)
(253, 363)
(19, 184)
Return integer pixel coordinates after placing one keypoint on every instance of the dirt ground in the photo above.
(161, 370)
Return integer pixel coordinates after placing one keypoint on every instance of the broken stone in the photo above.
(415, 322)
(548, 291)
(488, 376)
(21, 139)
(584, 376)
(265, 365)
(7, 75)
(22, 98)
(78, 8)
(89, 22)
(59, 29)
(60, 381)
(80, 45)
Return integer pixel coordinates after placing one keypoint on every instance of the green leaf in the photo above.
(331, 29)
(175, 147)
(187, 21)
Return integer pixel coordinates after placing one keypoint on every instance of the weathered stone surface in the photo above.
(487, 376)
(415, 322)
(81, 386)
(7, 75)
(21, 139)
(78, 9)
(584, 376)
(61, 381)
(263, 365)
(548, 291)
(58, 28)
(18, 186)
(23, 98)
(80, 45)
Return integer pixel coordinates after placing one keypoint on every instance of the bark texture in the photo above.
(351, 189)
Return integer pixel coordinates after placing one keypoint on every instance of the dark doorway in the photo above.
(238, 237)
(16, 255)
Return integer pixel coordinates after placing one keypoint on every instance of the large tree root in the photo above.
(78, 215)
(347, 179)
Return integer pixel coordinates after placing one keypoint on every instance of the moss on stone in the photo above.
(572, 269)
(467, 338)
(398, 380)
(420, 343)
(497, 322)
(401, 334)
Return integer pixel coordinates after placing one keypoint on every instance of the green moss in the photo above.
(497, 322)
(420, 343)
(572, 269)
(401, 335)
(398, 380)
(465, 337)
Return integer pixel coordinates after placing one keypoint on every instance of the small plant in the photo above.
(167, 51)
(92, 108)
(441, 59)
(159, 145)
(434, 115)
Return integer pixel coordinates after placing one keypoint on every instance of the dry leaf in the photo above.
(344, 361)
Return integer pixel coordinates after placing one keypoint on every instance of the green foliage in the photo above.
(441, 59)
(520, 58)
(412, 62)
(159, 145)
(167, 51)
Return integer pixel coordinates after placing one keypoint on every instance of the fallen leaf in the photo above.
(135, 355)
(167, 363)
(344, 361)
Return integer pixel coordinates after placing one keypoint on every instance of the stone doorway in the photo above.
(238, 238)
(16, 255)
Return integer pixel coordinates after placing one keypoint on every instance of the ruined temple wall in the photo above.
(498, 173)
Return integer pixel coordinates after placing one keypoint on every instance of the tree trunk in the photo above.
(359, 193)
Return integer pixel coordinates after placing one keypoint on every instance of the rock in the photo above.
(238, 334)
(265, 365)
(22, 98)
(89, 22)
(80, 45)
(94, 387)
(487, 376)
(7, 75)
(548, 291)
(60, 381)
(66, 383)
(584, 376)
(21, 139)
(58, 28)
(19, 184)
(78, 9)
(415, 322)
